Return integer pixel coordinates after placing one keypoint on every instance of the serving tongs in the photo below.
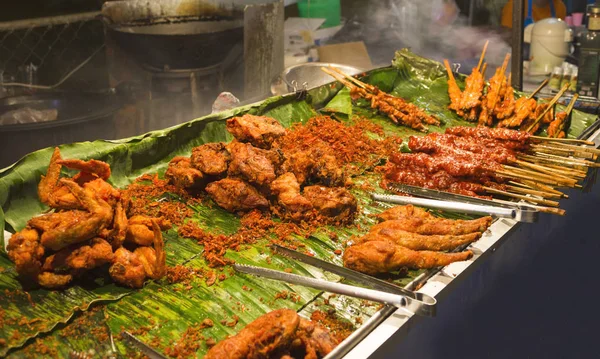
(520, 212)
(381, 292)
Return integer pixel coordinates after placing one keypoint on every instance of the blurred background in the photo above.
(77, 70)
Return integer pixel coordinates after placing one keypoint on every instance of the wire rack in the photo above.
(45, 51)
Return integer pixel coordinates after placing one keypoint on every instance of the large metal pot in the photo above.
(81, 117)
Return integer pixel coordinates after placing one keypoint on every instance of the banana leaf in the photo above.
(162, 313)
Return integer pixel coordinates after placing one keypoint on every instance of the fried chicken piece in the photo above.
(26, 252)
(317, 165)
(236, 195)
(50, 192)
(435, 225)
(399, 212)
(211, 158)
(95, 167)
(471, 97)
(287, 190)
(377, 257)
(419, 242)
(139, 229)
(506, 107)
(51, 280)
(62, 229)
(316, 340)
(251, 163)
(181, 174)
(260, 131)
(259, 339)
(116, 235)
(84, 257)
(335, 202)
(132, 269)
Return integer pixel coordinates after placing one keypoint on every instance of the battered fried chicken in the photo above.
(555, 129)
(84, 257)
(262, 338)
(313, 340)
(236, 195)
(287, 190)
(420, 242)
(62, 229)
(435, 225)
(51, 280)
(139, 229)
(524, 107)
(335, 202)
(399, 212)
(316, 164)
(211, 158)
(251, 164)
(377, 257)
(181, 174)
(27, 253)
(132, 269)
(260, 131)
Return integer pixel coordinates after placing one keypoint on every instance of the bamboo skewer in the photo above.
(482, 55)
(540, 188)
(544, 170)
(545, 202)
(571, 140)
(564, 152)
(539, 175)
(533, 192)
(567, 171)
(520, 176)
(572, 147)
(544, 187)
(540, 87)
(550, 105)
(569, 161)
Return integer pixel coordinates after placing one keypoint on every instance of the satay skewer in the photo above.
(485, 46)
(544, 202)
(568, 110)
(572, 147)
(558, 140)
(543, 187)
(570, 182)
(536, 187)
(540, 87)
(533, 192)
(550, 171)
(550, 105)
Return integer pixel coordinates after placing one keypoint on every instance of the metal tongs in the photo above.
(382, 291)
(519, 212)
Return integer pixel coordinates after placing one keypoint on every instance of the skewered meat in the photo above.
(471, 97)
(454, 92)
(398, 212)
(494, 95)
(482, 150)
(211, 159)
(287, 190)
(251, 163)
(181, 174)
(485, 132)
(457, 166)
(377, 257)
(260, 131)
(524, 107)
(555, 129)
(418, 242)
(506, 107)
(335, 202)
(438, 226)
(236, 195)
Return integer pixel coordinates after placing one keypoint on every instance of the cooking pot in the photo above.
(81, 117)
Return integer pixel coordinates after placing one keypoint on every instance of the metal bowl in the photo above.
(307, 76)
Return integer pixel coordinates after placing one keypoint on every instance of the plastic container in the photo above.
(556, 78)
(330, 10)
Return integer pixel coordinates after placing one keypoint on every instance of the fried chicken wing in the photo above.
(211, 158)
(62, 229)
(335, 202)
(251, 163)
(95, 167)
(181, 174)
(236, 195)
(287, 190)
(84, 257)
(377, 257)
(50, 192)
(435, 226)
(419, 242)
(260, 131)
(399, 212)
(139, 229)
(259, 339)
(132, 269)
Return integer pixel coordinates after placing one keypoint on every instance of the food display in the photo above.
(140, 236)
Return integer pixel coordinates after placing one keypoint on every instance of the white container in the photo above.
(550, 41)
